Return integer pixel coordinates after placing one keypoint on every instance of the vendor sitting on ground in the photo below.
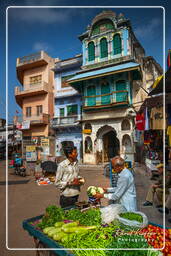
(124, 192)
(68, 179)
(156, 188)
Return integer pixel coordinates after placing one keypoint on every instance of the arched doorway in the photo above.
(108, 143)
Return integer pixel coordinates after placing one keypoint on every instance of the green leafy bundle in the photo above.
(132, 216)
(88, 218)
(53, 214)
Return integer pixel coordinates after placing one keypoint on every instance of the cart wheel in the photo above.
(43, 252)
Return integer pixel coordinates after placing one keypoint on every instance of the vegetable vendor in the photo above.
(124, 191)
(68, 179)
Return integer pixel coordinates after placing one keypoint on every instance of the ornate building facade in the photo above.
(113, 80)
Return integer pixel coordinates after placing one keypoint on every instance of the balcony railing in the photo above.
(42, 86)
(108, 99)
(65, 120)
(32, 58)
(37, 119)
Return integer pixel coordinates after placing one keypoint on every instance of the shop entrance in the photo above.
(110, 146)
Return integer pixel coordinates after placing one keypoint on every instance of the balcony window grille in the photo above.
(61, 112)
(35, 79)
(117, 45)
(39, 110)
(103, 48)
(72, 110)
(28, 111)
(91, 51)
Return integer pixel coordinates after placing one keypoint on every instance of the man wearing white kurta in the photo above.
(68, 179)
(124, 192)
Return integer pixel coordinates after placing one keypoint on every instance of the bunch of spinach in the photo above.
(52, 215)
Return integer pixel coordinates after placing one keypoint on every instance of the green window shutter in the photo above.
(61, 111)
(121, 96)
(72, 110)
(103, 48)
(105, 89)
(117, 44)
(91, 51)
(91, 91)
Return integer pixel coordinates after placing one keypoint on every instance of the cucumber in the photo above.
(59, 224)
(54, 231)
(69, 229)
(71, 224)
(46, 230)
(58, 236)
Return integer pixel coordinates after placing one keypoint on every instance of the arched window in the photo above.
(88, 145)
(91, 91)
(117, 46)
(103, 48)
(125, 125)
(91, 51)
(126, 144)
(88, 126)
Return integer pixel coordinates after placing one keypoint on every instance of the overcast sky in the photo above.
(56, 31)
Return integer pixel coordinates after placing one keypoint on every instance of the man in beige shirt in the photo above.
(68, 179)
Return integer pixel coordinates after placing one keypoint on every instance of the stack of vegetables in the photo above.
(92, 190)
(76, 229)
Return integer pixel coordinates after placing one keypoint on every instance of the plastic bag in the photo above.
(111, 212)
(134, 223)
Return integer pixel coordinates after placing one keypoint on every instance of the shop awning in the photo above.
(129, 66)
(158, 84)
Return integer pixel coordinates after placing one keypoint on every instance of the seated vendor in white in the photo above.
(124, 192)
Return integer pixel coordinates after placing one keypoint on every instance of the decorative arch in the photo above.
(88, 145)
(91, 51)
(103, 48)
(88, 126)
(104, 129)
(102, 26)
(125, 126)
(117, 44)
(126, 144)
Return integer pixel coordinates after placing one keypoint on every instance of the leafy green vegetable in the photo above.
(88, 218)
(132, 216)
(53, 214)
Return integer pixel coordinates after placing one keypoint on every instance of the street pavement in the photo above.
(26, 199)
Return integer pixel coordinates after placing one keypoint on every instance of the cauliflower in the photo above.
(91, 191)
(100, 190)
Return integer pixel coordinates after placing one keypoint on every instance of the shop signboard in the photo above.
(26, 125)
(31, 154)
(87, 131)
(44, 142)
